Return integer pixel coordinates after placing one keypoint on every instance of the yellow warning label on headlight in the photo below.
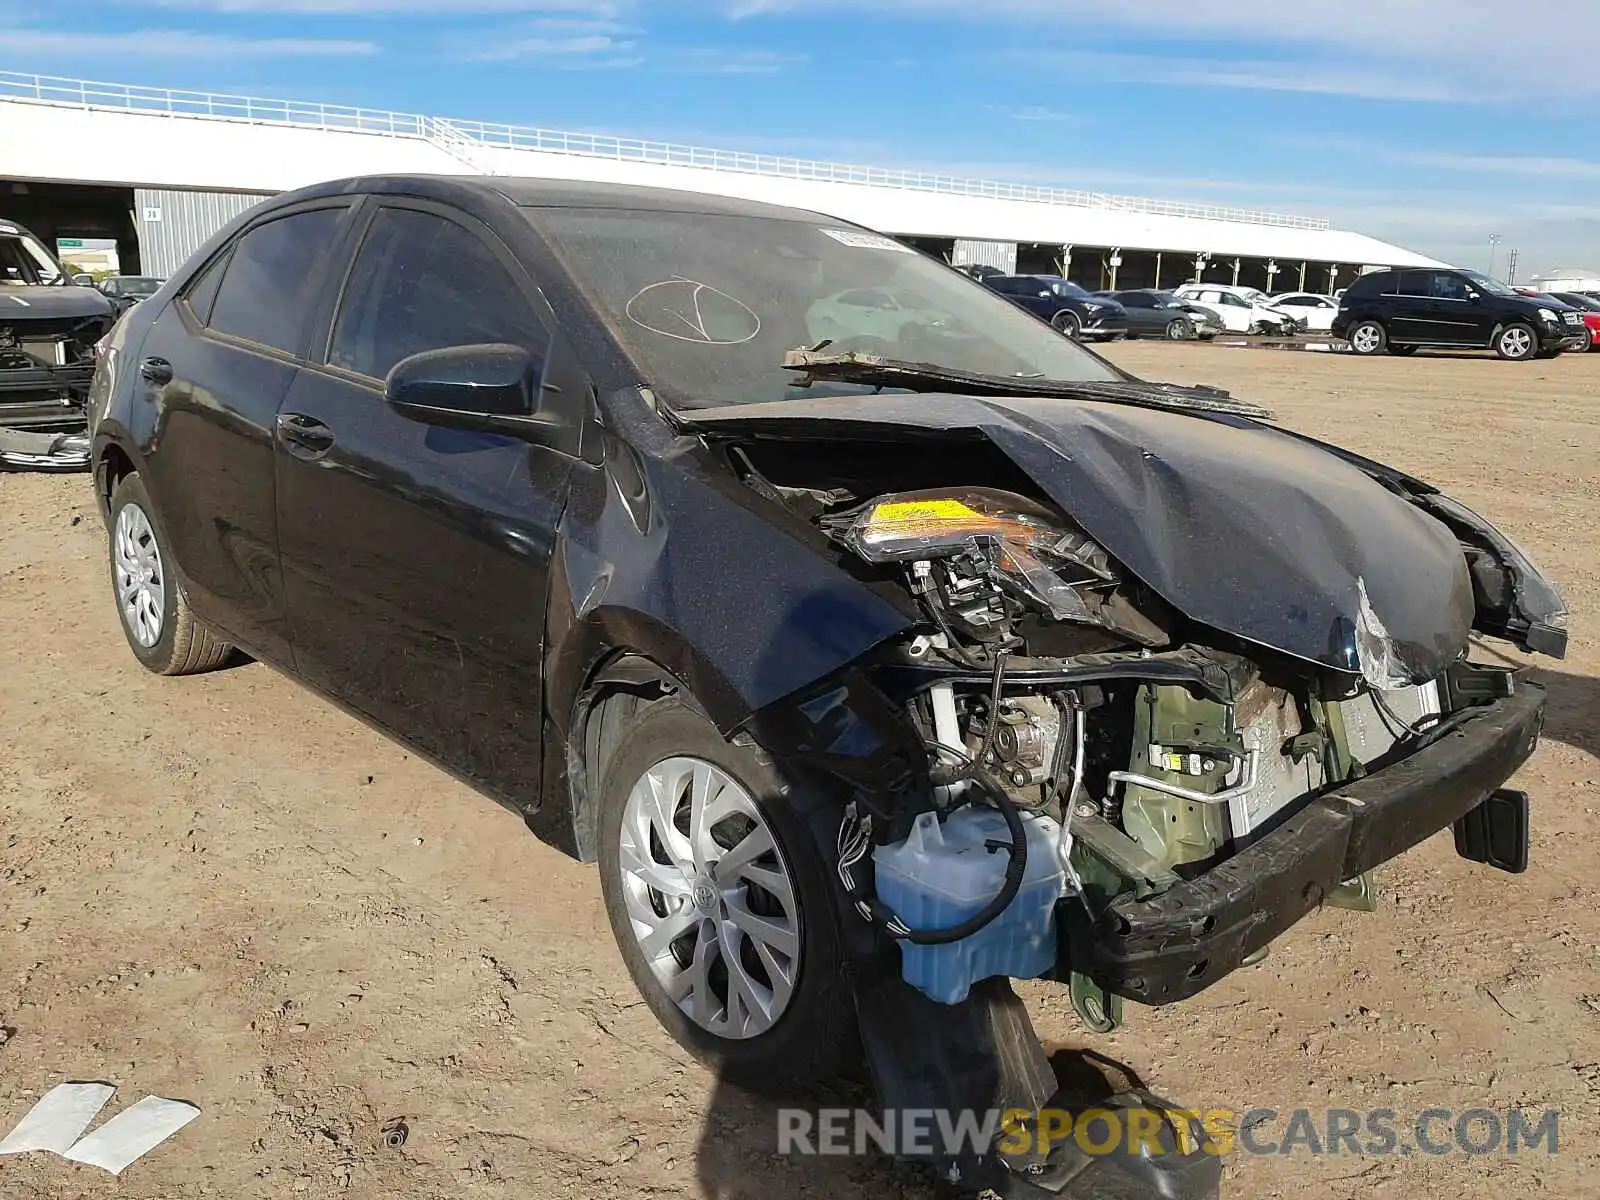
(924, 510)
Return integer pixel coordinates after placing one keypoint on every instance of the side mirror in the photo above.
(83, 280)
(486, 389)
(1471, 295)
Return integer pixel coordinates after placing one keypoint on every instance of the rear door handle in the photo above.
(304, 433)
(155, 370)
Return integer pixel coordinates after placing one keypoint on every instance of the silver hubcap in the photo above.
(137, 564)
(709, 897)
(1176, 331)
(1516, 342)
(1365, 339)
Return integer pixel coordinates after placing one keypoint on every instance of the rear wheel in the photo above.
(720, 904)
(162, 630)
(1517, 342)
(1368, 337)
(1067, 322)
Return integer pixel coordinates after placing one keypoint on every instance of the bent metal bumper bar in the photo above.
(1169, 947)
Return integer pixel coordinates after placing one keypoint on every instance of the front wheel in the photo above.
(1179, 330)
(1067, 322)
(1368, 338)
(721, 906)
(161, 628)
(1517, 343)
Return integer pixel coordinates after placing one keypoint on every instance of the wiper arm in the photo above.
(877, 371)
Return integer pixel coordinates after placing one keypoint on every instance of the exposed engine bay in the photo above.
(1087, 743)
(48, 332)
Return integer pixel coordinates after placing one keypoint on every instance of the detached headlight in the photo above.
(1026, 545)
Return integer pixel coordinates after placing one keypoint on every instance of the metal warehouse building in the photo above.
(159, 171)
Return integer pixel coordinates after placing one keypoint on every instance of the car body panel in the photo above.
(1243, 528)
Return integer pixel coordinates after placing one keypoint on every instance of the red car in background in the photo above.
(1589, 307)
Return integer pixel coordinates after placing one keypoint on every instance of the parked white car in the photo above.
(1317, 311)
(1243, 310)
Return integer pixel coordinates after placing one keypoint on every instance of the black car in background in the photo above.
(1070, 308)
(48, 330)
(124, 291)
(1403, 310)
(1154, 313)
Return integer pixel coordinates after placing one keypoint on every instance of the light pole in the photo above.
(1494, 240)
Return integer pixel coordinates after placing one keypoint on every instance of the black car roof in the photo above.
(561, 193)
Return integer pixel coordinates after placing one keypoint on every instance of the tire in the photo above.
(1402, 351)
(1180, 330)
(1588, 342)
(1517, 342)
(1368, 338)
(1066, 321)
(162, 630)
(811, 1035)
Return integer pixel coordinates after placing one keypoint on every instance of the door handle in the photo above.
(307, 433)
(155, 370)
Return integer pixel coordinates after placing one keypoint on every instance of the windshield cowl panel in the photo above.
(707, 306)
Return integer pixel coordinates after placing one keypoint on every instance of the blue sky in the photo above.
(1432, 122)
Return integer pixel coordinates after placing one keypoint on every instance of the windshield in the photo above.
(25, 263)
(1065, 287)
(707, 305)
(138, 286)
(1493, 286)
(1587, 303)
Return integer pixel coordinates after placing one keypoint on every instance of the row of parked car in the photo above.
(1180, 314)
(1383, 312)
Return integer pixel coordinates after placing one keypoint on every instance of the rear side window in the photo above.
(1374, 283)
(264, 296)
(421, 283)
(202, 293)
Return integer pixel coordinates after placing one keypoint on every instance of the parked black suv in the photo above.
(1064, 304)
(1402, 310)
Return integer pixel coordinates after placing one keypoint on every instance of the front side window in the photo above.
(706, 305)
(1449, 286)
(264, 293)
(25, 263)
(1416, 283)
(420, 283)
(1493, 286)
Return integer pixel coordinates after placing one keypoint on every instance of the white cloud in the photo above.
(1398, 49)
(175, 43)
(717, 61)
(1036, 112)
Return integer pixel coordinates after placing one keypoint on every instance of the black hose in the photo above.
(1012, 883)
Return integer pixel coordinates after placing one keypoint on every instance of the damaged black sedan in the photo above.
(48, 332)
(904, 640)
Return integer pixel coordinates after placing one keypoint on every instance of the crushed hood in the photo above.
(24, 304)
(1238, 526)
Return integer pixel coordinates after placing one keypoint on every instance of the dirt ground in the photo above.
(221, 889)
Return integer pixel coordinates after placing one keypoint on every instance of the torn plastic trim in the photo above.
(1515, 599)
